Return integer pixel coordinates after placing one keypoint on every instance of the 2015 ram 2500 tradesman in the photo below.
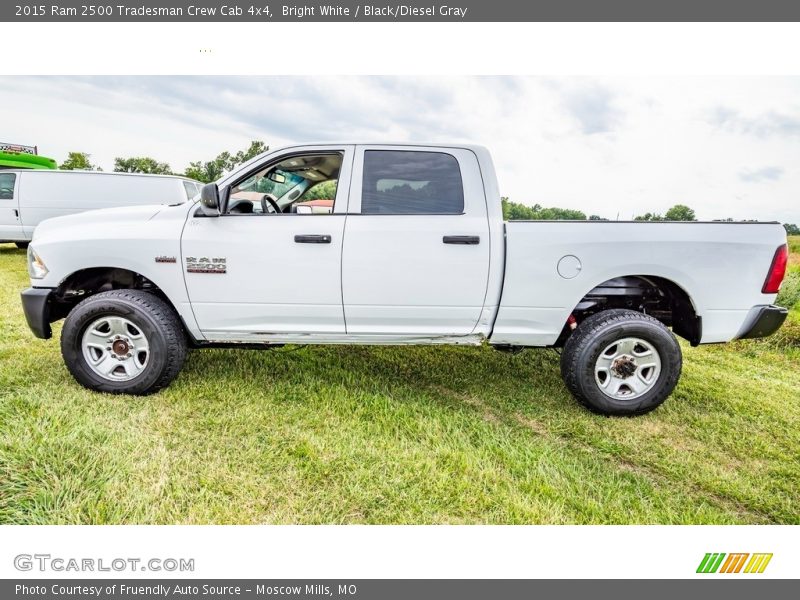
(394, 244)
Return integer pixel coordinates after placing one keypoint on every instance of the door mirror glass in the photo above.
(209, 200)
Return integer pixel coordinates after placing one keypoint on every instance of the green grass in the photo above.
(794, 246)
(392, 435)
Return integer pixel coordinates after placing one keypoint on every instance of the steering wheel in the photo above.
(272, 201)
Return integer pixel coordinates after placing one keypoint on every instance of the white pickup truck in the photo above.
(410, 247)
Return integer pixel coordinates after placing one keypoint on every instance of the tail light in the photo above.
(776, 271)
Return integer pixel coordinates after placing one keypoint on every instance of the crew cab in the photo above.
(410, 248)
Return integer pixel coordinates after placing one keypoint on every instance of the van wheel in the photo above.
(621, 362)
(123, 342)
(22, 245)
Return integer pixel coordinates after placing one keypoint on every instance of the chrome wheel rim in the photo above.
(115, 348)
(627, 368)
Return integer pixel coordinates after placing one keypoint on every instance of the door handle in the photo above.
(469, 240)
(312, 239)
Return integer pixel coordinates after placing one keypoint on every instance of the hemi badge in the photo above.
(166, 259)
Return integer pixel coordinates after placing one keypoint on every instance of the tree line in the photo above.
(513, 211)
(205, 171)
(211, 170)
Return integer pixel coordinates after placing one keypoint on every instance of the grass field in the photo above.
(387, 435)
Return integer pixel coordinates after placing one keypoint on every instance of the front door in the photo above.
(416, 252)
(269, 268)
(10, 223)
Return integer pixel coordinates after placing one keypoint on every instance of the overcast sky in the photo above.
(727, 147)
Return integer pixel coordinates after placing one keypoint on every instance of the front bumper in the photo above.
(763, 321)
(36, 305)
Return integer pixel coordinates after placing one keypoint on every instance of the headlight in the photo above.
(36, 268)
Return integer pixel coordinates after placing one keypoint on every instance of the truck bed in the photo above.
(720, 265)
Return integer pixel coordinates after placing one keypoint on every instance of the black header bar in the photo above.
(419, 11)
(393, 589)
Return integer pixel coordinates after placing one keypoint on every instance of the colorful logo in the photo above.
(734, 563)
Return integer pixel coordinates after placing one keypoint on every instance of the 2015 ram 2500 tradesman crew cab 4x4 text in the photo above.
(409, 247)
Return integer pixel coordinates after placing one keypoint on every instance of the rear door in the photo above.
(416, 254)
(10, 224)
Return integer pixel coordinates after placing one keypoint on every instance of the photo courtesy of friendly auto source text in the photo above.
(370, 300)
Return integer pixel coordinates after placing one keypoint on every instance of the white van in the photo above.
(29, 196)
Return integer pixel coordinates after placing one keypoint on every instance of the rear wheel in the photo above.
(123, 342)
(621, 362)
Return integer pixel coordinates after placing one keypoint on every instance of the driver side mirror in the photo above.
(209, 200)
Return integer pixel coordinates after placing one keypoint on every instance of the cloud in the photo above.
(759, 175)
(592, 106)
(604, 146)
(763, 125)
(303, 108)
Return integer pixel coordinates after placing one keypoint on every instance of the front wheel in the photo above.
(621, 362)
(123, 342)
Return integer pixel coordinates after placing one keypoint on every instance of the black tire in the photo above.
(152, 316)
(598, 332)
(22, 245)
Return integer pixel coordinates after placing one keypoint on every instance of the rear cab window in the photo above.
(411, 182)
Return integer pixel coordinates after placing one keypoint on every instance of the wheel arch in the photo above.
(662, 297)
(88, 281)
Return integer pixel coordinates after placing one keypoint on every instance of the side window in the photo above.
(402, 182)
(301, 184)
(7, 185)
